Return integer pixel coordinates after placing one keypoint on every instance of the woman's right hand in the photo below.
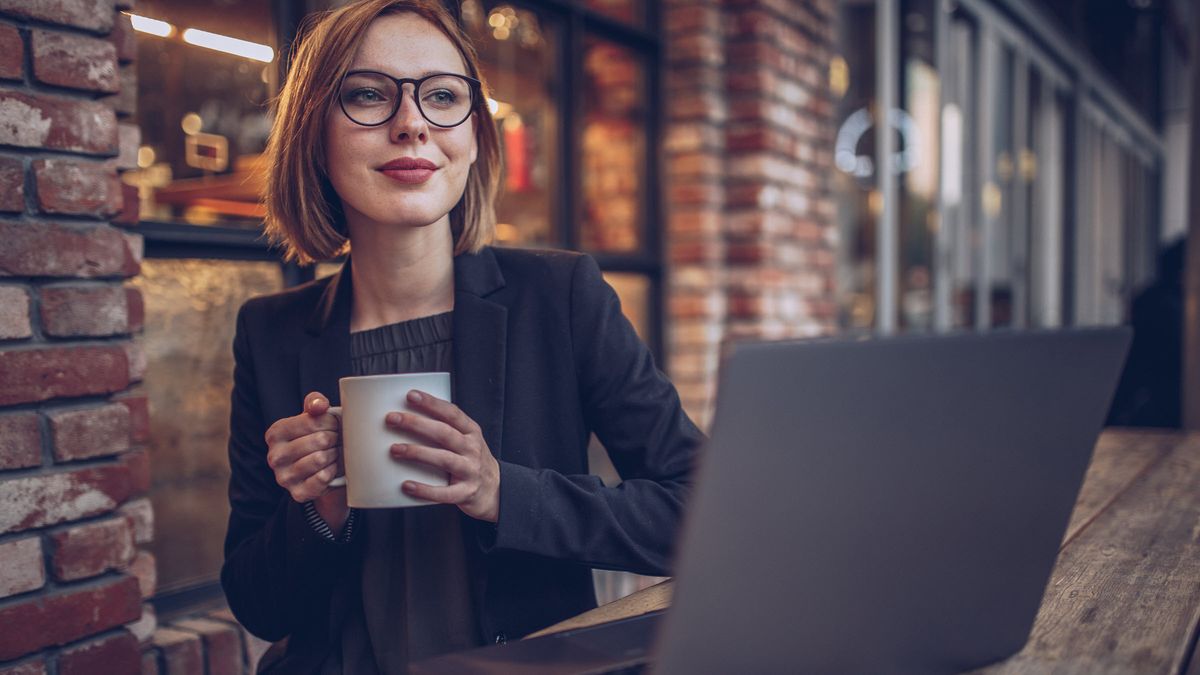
(305, 453)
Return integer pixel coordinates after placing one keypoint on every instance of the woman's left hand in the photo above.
(456, 446)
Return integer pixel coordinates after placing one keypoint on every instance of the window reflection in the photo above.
(202, 115)
(613, 147)
(191, 310)
(859, 203)
(518, 51)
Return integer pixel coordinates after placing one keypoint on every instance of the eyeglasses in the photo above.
(370, 99)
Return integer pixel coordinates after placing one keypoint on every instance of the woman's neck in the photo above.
(400, 273)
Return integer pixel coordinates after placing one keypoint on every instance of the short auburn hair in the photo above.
(304, 213)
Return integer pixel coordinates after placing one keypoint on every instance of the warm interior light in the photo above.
(224, 43)
(144, 24)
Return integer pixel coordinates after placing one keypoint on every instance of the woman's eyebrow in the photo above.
(385, 71)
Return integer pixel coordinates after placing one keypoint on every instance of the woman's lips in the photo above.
(410, 176)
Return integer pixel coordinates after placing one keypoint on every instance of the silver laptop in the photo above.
(865, 506)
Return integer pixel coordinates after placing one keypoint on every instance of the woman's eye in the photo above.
(442, 97)
(365, 95)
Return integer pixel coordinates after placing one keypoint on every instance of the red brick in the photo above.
(145, 569)
(67, 616)
(48, 499)
(20, 440)
(77, 188)
(37, 667)
(138, 462)
(704, 48)
(693, 18)
(56, 123)
(12, 185)
(12, 53)
(59, 250)
(87, 550)
(694, 221)
(135, 356)
(75, 61)
(129, 139)
(141, 518)
(124, 38)
(180, 651)
(222, 645)
(29, 375)
(79, 433)
(706, 193)
(115, 653)
(74, 311)
(96, 15)
(130, 206)
(139, 414)
(135, 304)
(14, 313)
(23, 569)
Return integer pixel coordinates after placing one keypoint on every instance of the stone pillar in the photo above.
(752, 228)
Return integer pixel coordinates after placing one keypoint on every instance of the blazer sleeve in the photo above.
(278, 572)
(636, 413)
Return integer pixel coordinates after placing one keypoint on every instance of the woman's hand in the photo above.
(456, 446)
(305, 453)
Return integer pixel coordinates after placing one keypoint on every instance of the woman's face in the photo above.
(362, 161)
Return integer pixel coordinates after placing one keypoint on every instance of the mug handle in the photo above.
(339, 481)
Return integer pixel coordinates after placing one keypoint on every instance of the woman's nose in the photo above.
(408, 122)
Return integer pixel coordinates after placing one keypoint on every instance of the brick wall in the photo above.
(751, 226)
(73, 470)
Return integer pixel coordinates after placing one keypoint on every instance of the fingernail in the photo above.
(314, 402)
(394, 418)
(399, 448)
(415, 396)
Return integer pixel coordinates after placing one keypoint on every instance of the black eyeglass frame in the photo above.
(476, 89)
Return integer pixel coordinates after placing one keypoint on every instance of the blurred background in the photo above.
(740, 169)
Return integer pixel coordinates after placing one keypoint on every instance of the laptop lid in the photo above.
(885, 505)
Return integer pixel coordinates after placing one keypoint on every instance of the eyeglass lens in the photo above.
(372, 98)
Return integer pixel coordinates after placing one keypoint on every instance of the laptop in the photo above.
(882, 505)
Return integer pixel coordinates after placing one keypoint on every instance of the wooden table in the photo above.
(1124, 596)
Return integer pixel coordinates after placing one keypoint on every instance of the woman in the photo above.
(383, 145)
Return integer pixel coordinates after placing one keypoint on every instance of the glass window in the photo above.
(859, 203)
(519, 54)
(917, 160)
(613, 148)
(959, 122)
(191, 312)
(202, 113)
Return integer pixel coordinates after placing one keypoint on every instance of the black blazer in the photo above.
(543, 357)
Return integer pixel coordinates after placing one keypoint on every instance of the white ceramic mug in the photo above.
(373, 477)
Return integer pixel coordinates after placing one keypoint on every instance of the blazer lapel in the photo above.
(480, 339)
(325, 355)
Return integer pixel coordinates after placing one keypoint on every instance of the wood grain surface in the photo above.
(1125, 591)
